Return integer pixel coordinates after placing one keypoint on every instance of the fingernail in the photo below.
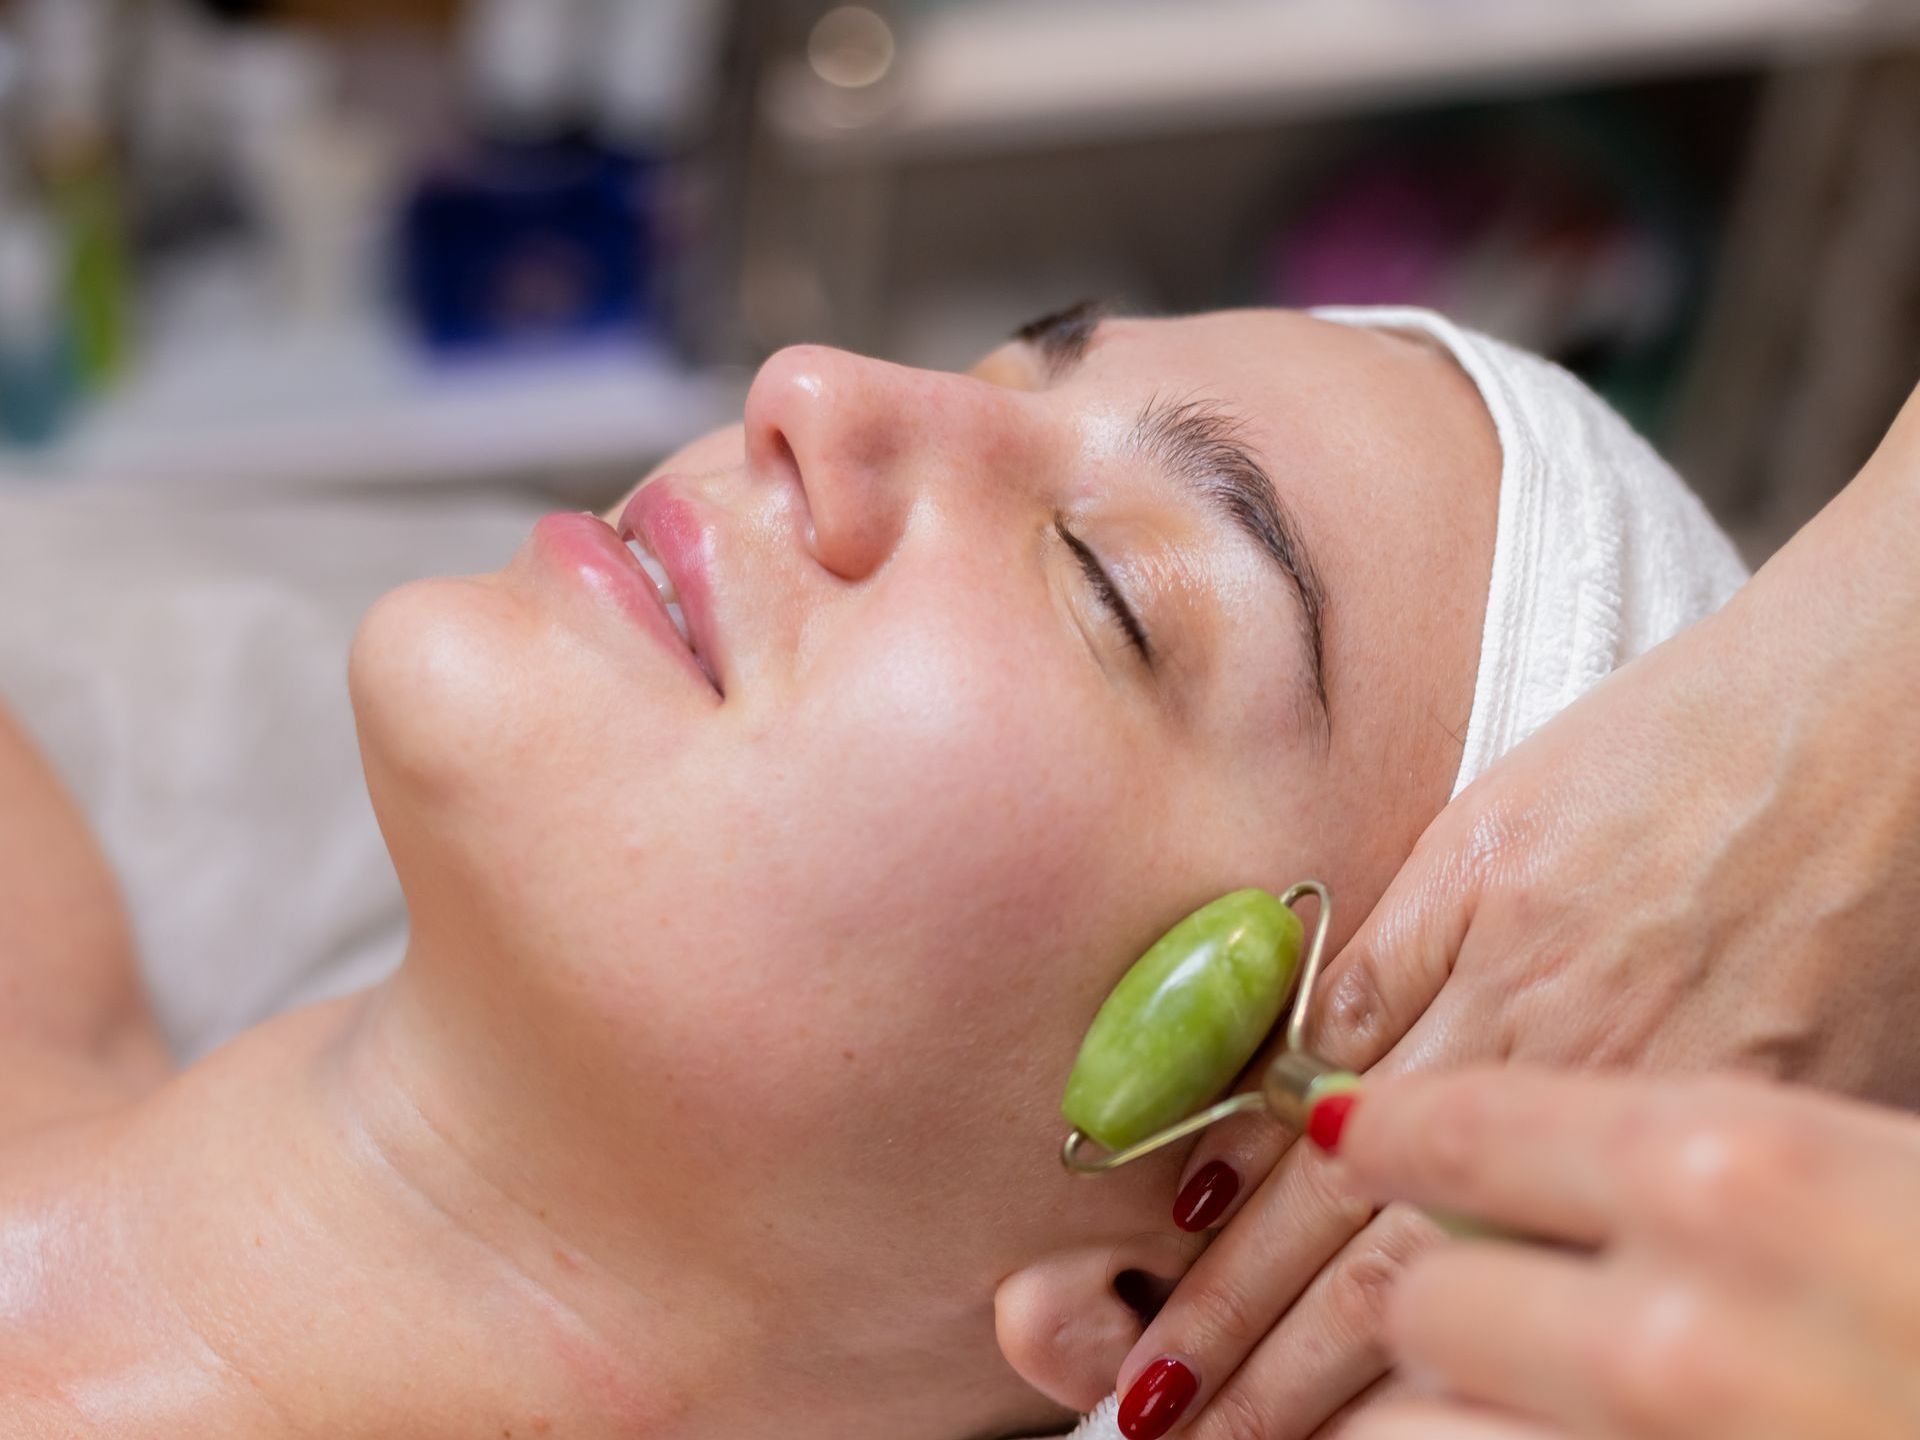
(1163, 1391)
(1204, 1198)
(1329, 1118)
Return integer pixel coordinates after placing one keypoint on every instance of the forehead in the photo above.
(1256, 357)
(1361, 428)
(1321, 395)
(1378, 440)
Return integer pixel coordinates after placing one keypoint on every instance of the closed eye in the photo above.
(1109, 593)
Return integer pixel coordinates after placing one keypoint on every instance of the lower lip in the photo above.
(592, 554)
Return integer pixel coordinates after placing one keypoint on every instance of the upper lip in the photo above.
(677, 536)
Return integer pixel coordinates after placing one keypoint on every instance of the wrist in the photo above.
(1834, 617)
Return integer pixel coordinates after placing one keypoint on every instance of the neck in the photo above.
(301, 1215)
(334, 1226)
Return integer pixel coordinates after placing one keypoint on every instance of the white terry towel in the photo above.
(1101, 1424)
(184, 667)
(1600, 554)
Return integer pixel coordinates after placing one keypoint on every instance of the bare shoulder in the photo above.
(68, 983)
(61, 901)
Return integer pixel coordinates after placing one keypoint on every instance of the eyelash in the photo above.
(1109, 594)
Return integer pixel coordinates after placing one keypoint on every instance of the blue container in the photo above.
(530, 246)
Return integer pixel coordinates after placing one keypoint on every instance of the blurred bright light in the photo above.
(851, 48)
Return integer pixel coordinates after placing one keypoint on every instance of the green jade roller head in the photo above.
(1186, 1019)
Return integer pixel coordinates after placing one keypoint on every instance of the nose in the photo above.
(864, 441)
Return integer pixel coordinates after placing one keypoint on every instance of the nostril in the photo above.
(1142, 1293)
(790, 466)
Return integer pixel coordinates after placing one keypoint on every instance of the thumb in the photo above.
(1401, 957)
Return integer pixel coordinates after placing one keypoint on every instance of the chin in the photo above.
(433, 675)
(487, 733)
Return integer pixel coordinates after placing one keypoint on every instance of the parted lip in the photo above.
(678, 531)
(588, 549)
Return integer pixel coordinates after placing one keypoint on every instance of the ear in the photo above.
(1066, 1322)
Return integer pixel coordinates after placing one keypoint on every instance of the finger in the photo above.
(1803, 1191)
(1433, 1420)
(1648, 1349)
(1401, 957)
(1530, 1150)
(1387, 1390)
(1297, 1220)
(1230, 1159)
(1328, 1348)
(1782, 1184)
(1503, 1326)
(1293, 1223)
(1741, 1170)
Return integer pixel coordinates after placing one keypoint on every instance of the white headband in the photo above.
(1601, 551)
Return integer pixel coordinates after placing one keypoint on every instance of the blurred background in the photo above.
(281, 248)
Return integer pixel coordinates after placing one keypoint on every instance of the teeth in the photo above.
(656, 572)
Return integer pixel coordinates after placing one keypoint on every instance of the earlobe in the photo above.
(1066, 1322)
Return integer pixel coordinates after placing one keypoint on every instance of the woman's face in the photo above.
(793, 936)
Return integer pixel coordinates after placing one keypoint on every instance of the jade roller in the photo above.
(1186, 1019)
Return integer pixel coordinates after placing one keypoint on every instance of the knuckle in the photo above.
(1358, 1298)
(1502, 831)
(1355, 1018)
(1666, 1366)
(1324, 1194)
(1236, 1413)
(1224, 1316)
(1363, 1285)
(1723, 1160)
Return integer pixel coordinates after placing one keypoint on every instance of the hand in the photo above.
(1713, 860)
(1734, 1259)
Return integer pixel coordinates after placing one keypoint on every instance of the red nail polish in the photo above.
(1204, 1198)
(1329, 1118)
(1164, 1389)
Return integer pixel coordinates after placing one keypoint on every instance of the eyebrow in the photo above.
(1203, 444)
(1062, 336)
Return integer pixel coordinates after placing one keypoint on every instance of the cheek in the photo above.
(949, 770)
(895, 873)
(937, 837)
(941, 793)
